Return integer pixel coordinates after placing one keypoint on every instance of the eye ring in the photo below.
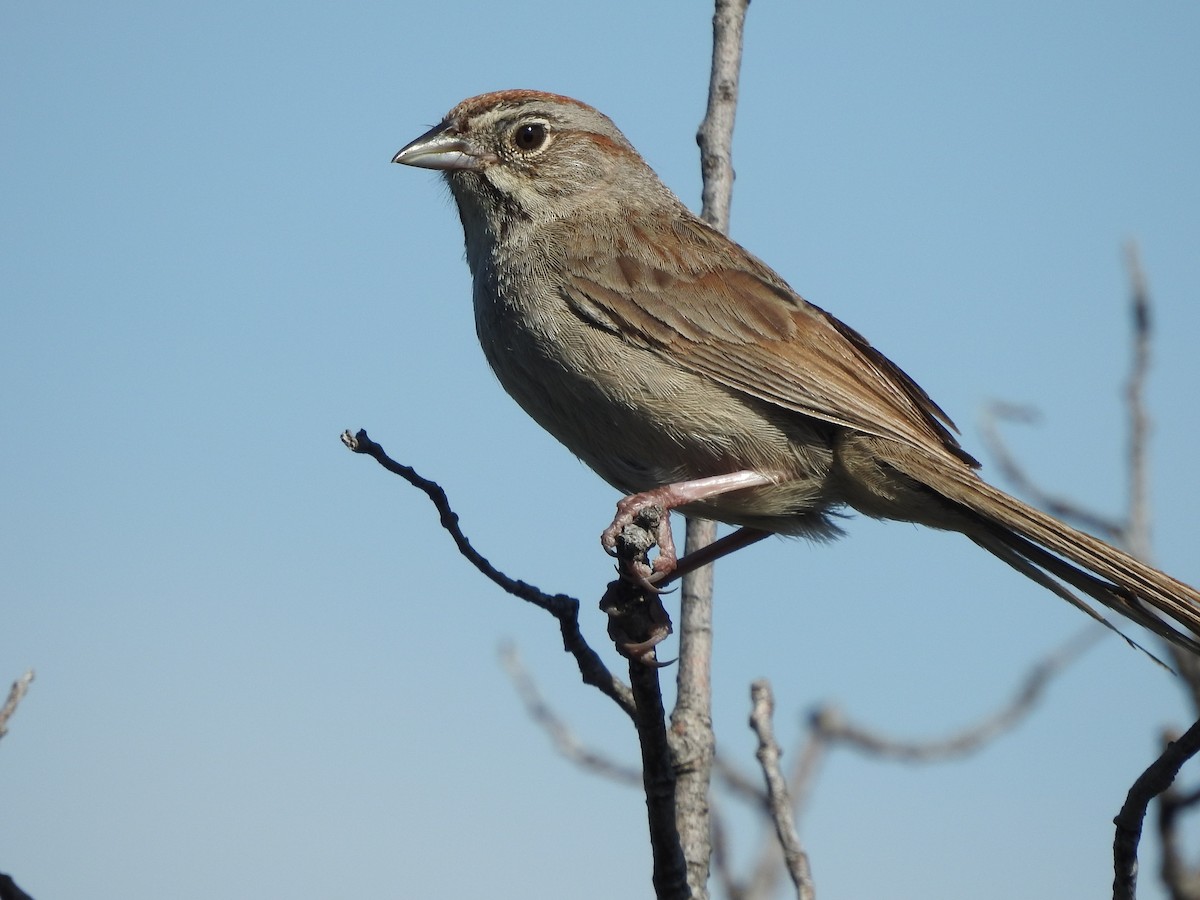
(529, 136)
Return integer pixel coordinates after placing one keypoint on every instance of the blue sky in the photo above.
(262, 668)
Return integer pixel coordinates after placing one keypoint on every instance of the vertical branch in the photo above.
(1152, 782)
(691, 721)
(671, 870)
(715, 136)
(778, 801)
(1174, 871)
(1156, 781)
(692, 740)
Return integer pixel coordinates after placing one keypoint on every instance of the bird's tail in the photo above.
(1065, 560)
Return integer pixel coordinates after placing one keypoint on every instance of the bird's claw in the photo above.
(646, 578)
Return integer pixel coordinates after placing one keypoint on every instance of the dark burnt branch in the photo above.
(1181, 880)
(1150, 784)
(658, 778)
(9, 889)
(563, 607)
(637, 620)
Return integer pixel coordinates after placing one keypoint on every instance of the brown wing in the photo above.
(732, 319)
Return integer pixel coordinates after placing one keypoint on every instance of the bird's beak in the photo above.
(439, 148)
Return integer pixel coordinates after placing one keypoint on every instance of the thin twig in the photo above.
(829, 727)
(1182, 881)
(766, 872)
(564, 608)
(1137, 529)
(832, 725)
(762, 709)
(15, 694)
(1152, 782)
(561, 735)
(1133, 534)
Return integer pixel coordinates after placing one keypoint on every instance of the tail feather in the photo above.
(1021, 555)
(1044, 549)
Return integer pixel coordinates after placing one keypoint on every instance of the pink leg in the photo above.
(669, 496)
(719, 548)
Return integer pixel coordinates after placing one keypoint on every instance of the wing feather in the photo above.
(740, 324)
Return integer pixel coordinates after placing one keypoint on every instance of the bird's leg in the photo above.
(638, 622)
(719, 548)
(670, 496)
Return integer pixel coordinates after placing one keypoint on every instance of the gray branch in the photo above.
(715, 136)
(831, 726)
(778, 801)
(15, 694)
(692, 741)
(1133, 534)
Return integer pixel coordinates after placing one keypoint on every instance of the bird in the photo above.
(689, 375)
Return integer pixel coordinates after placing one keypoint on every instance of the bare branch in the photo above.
(1152, 782)
(830, 723)
(1137, 529)
(564, 608)
(692, 741)
(715, 136)
(658, 777)
(563, 738)
(1134, 535)
(767, 870)
(827, 726)
(10, 891)
(1181, 881)
(637, 622)
(763, 708)
(15, 694)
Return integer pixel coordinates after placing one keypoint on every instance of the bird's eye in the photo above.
(530, 136)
